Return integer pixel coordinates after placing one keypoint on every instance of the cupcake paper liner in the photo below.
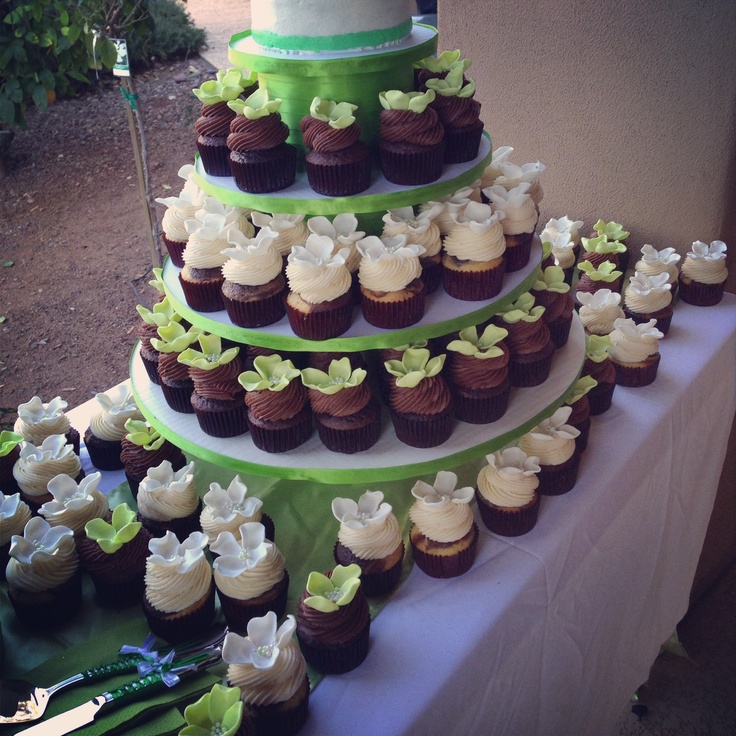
(600, 398)
(220, 417)
(473, 286)
(204, 296)
(411, 165)
(508, 522)
(447, 565)
(259, 172)
(342, 179)
(255, 312)
(47, 609)
(104, 454)
(325, 321)
(239, 612)
(462, 144)
(391, 314)
(518, 251)
(182, 526)
(182, 625)
(178, 395)
(531, 369)
(635, 375)
(350, 434)
(281, 436)
(175, 249)
(699, 294)
(335, 660)
(554, 480)
(481, 406)
(421, 430)
(375, 579)
(214, 156)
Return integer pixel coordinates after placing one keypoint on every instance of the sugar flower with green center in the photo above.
(8, 441)
(329, 594)
(483, 347)
(225, 503)
(443, 62)
(602, 244)
(227, 85)
(415, 365)
(369, 510)
(605, 271)
(522, 310)
(453, 84)
(263, 644)
(159, 315)
(174, 337)
(581, 387)
(211, 355)
(271, 373)
(443, 491)
(68, 494)
(612, 230)
(111, 537)
(395, 99)
(237, 556)
(40, 540)
(338, 115)
(168, 551)
(340, 375)
(217, 713)
(596, 347)
(258, 105)
(143, 434)
(54, 447)
(551, 279)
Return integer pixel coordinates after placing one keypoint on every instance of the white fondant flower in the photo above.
(524, 173)
(477, 216)
(642, 284)
(514, 461)
(164, 476)
(599, 299)
(263, 644)
(245, 246)
(555, 427)
(343, 229)
(317, 252)
(375, 249)
(68, 495)
(278, 222)
(35, 410)
(418, 223)
(235, 557)
(561, 225)
(443, 491)
(459, 197)
(118, 401)
(227, 503)
(649, 254)
(629, 328)
(54, 447)
(39, 539)
(182, 556)
(215, 219)
(9, 505)
(513, 198)
(716, 251)
(370, 509)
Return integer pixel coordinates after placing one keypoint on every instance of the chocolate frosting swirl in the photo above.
(603, 372)
(555, 304)
(471, 372)
(429, 396)
(527, 337)
(580, 411)
(457, 112)
(271, 406)
(170, 369)
(405, 126)
(137, 459)
(131, 557)
(145, 333)
(220, 383)
(320, 137)
(341, 404)
(336, 627)
(261, 134)
(215, 120)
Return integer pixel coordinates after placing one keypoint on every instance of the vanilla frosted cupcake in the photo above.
(494, 169)
(36, 421)
(653, 262)
(649, 297)
(507, 495)
(451, 204)
(391, 286)
(370, 537)
(512, 175)
(518, 224)
(36, 466)
(704, 273)
(14, 515)
(552, 441)
(250, 575)
(473, 260)
(44, 581)
(564, 253)
(75, 504)
(179, 598)
(634, 352)
(270, 670)
(344, 233)
(227, 509)
(103, 438)
(421, 230)
(444, 535)
(599, 310)
(287, 230)
(561, 226)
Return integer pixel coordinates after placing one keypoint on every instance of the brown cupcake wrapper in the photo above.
(373, 580)
(259, 172)
(508, 522)
(473, 286)
(516, 256)
(341, 179)
(418, 430)
(103, 454)
(281, 436)
(411, 165)
(182, 526)
(215, 158)
(239, 612)
(175, 249)
(48, 609)
(280, 719)
(462, 144)
(229, 421)
(431, 276)
(581, 441)
(203, 296)
(700, 295)
(393, 315)
(119, 593)
(321, 324)
(530, 370)
(335, 660)
(447, 566)
(255, 312)
(554, 480)
(638, 374)
(178, 395)
(559, 330)
(178, 627)
(151, 367)
(600, 398)
(349, 440)
(481, 406)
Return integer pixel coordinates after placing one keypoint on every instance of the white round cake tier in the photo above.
(443, 314)
(388, 459)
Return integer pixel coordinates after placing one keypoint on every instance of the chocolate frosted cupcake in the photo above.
(151, 319)
(179, 595)
(213, 125)
(600, 249)
(14, 515)
(333, 621)
(36, 421)
(443, 535)
(552, 292)
(412, 139)
(579, 418)
(599, 367)
(370, 537)
(347, 415)
(649, 297)
(519, 221)
(594, 278)
(478, 374)
(338, 163)
(634, 352)
(437, 67)
(614, 231)
(507, 495)
(420, 401)
(114, 554)
(260, 158)
(217, 398)
(250, 575)
(459, 114)
(279, 417)
(703, 276)
(391, 287)
(9, 454)
(74, 504)
(176, 383)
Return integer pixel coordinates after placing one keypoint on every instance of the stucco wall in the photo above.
(631, 105)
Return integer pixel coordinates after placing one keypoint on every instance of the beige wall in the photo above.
(630, 104)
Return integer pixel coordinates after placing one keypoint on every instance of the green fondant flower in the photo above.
(212, 355)
(551, 278)
(452, 84)
(546, 250)
(440, 64)
(219, 711)
(111, 537)
(161, 314)
(395, 99)
(256, 106)
(605, 271)
(8, 442)
(414, 366)
(613, 230)
(174, 337)
(270, 373)
(143, 434)
(602, 244)
(522, 310)
(483, 347)
(228, 85)
(339, 376)
(330, 594)
(581, 387)
(339, 115)
(596, 347)
(158, 280)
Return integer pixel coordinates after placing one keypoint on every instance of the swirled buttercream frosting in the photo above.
(509, 480)
(407, 126)
(75, 503)
(165, 494)
(442, 523)
(36, 466)
(14, 515)
(37, 421)
(632, 343)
